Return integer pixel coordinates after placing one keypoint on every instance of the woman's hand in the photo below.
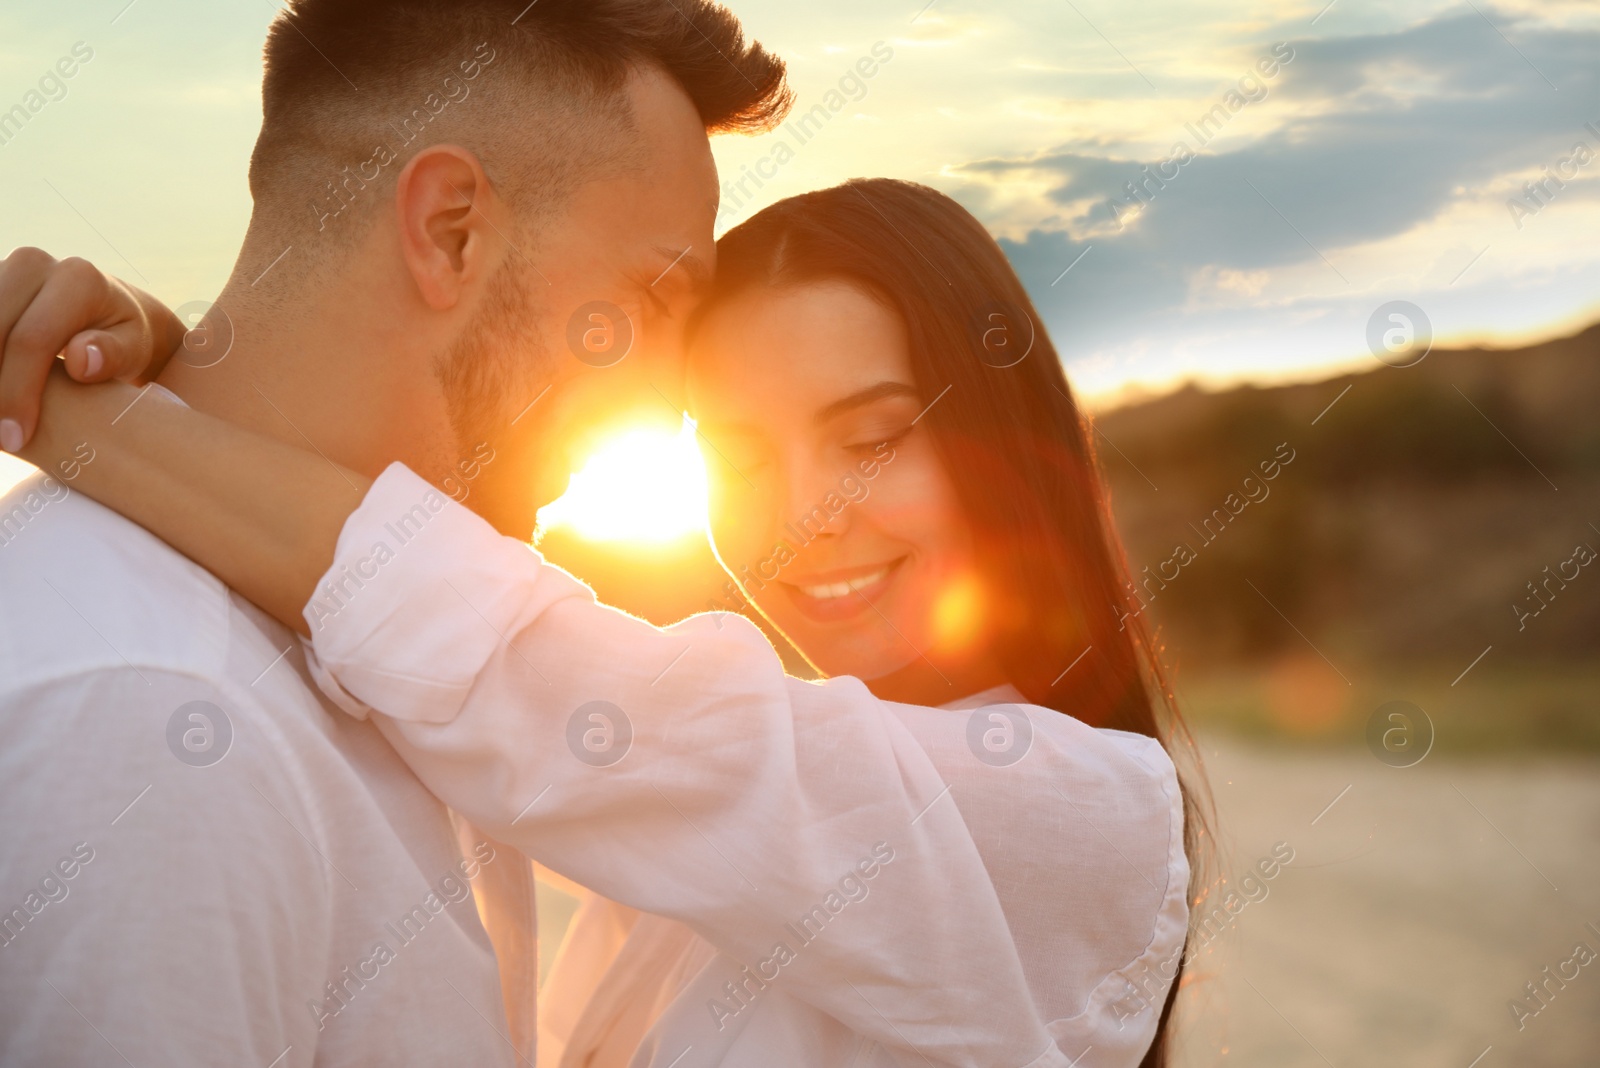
(103, 329)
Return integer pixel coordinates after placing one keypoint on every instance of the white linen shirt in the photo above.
(999, 887)
(200, 856)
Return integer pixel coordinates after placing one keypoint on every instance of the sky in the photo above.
(1381, 159)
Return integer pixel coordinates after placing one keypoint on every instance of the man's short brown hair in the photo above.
(353, 88)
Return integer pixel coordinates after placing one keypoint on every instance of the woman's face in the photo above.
(829, 503)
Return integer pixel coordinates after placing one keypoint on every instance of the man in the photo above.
(207, 864)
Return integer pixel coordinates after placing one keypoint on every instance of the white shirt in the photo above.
(620, 972)
(179, 883)
(881, 883)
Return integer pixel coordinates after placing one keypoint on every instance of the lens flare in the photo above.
(644, 485)
(958, 614)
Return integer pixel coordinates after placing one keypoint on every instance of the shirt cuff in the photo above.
(419, 597)
(345, 700)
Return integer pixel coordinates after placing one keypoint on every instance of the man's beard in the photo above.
(490, 376)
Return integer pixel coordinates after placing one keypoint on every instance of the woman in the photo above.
(830, 338)
(903, 486)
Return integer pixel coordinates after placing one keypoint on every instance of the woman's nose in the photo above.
(814, 506)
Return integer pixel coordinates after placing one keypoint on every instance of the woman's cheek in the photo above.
(740, 525)
(912, 499)
(919, 508)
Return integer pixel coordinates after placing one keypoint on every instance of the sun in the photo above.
(643, 485)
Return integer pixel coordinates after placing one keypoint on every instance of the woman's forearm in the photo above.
(263, 516)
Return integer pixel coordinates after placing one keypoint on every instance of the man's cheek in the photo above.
(571, 420)
(532, 457)
(661, 353)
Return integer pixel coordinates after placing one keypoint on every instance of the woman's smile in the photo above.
(841, 595)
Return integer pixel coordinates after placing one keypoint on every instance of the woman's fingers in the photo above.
(47, 307)
(121, 341)
(96, 355)
(22, 275)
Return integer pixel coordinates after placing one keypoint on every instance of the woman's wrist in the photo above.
(75, 424)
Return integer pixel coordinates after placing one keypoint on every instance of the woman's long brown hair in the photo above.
(1014, 442)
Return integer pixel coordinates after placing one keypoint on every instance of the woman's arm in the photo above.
(260, 515)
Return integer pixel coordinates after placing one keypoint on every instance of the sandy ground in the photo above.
(1416, 908)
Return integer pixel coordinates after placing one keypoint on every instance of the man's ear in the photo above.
(442, 201)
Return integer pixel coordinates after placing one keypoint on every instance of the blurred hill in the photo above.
(1413, 516)
(1397, 545)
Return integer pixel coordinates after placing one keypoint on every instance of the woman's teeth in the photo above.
(833, 590)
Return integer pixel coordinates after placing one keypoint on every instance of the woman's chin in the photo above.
(857, 663)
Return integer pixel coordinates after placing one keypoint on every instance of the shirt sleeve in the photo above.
(145, 888)
(1081, 831)
(802, 828)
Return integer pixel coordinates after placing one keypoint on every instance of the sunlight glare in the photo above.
(644, 485)
(958, 614)
(12, 471)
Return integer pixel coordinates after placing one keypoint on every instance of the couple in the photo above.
(227, 844)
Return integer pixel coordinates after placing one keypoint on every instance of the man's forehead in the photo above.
(674, 145)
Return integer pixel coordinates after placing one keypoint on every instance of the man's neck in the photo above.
(330, 374)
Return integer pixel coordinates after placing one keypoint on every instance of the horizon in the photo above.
(1135, 394)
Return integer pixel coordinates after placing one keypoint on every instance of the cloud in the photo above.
(1359, 141)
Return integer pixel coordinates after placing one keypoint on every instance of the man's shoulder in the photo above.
(82, 589)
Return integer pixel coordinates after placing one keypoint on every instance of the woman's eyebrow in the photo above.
(862, 398)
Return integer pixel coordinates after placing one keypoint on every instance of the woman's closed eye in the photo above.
(873, 443)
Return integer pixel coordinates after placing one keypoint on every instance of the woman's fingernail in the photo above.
(10, 435)
(93, 360)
